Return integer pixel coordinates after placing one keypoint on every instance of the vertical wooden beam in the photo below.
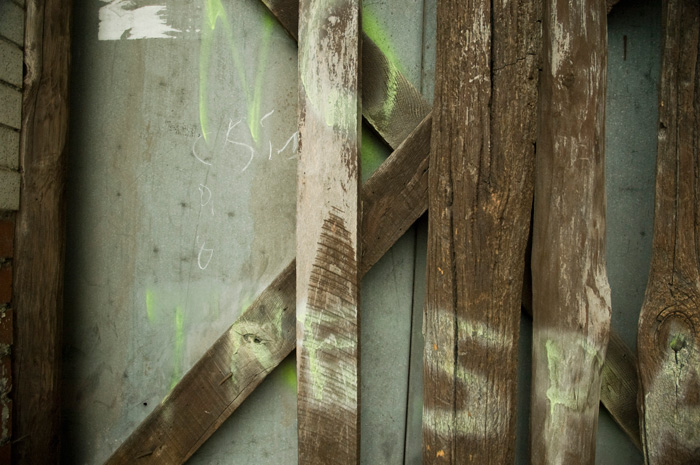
(668, 339)
(328, 220)
(480, 200)
(571, 296)
(40, 233)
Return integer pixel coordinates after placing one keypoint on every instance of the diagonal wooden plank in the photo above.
(480, 200)
(668, 339)
(571, 295)
(390, 103)
(327, 239)
(387, 214)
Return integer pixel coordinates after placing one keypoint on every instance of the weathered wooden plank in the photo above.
(404, 177)
(40, 234)
(571, 296)
(668, 340)
(265, 334)
(390, 103)
(328, 216)
(480, 201)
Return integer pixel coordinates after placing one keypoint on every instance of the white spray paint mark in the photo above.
(205, 190)
(263, 118)
(194, 151)
(203, 251)
(120, 19)
(295, 146)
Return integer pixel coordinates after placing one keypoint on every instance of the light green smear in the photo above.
(254, 107)
(288, 372)
(373, 153)
(378, 35)
(557, 395)
(179, 344)
(215, 19)
(150, 306)
(373, 29)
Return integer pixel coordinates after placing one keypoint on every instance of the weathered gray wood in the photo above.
(668, 340)
(571, 296)
(408, 167)
(328, 277)
(389, 101)
(40, 234)
(480, 201)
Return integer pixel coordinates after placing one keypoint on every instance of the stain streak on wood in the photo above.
(571, 296)
(480, 201)
(668, 340)
(40, 234)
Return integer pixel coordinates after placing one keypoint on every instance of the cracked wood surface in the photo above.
(327, 239)
(668, 334)
(393, 199)
(480, 200)
(570, 291)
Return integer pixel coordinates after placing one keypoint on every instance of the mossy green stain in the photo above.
(178, 353)
(373, 152)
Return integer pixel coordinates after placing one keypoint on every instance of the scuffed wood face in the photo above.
(669, 325)
(571, 295)
(480, 199)
(328, 233)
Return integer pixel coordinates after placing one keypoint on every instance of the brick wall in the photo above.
(12, 13)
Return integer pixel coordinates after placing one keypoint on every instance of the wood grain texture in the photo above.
(668, 340)
(400, 183)
(480, 202)
(328, 229)
(390, 103)
(571, 295)
(266, 332)
(40, 234)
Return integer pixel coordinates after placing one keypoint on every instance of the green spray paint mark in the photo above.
(215, 15)
(371, 27)
(150, 306)
(557, 395)
(288, 372)
(373, 152)
(179, 344)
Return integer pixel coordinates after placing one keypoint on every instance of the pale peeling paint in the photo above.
(336, 107)
(561, 44)
(121, 19)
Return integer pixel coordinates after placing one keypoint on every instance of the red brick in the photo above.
(6, 454)
(5, 284)
(7, 237)
(6, 319)
(5, 419)
(5, 375)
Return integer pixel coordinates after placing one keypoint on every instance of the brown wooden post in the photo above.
(40, 233)
(571, 296)
(328, 230)
(480, 201)
(668, 340)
